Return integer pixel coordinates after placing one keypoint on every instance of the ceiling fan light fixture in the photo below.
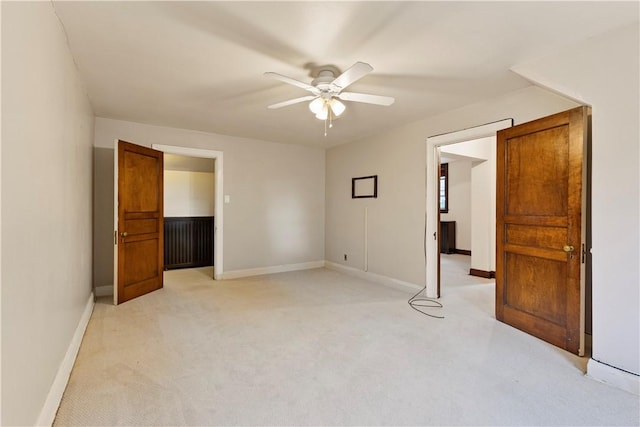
(324, 112)
(316, 105)
(337, 107)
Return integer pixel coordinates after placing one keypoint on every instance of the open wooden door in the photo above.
(139, 236)
(540, 228)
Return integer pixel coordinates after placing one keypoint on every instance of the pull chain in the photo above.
(329, 119)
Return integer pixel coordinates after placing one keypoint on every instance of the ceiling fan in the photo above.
(327, 91)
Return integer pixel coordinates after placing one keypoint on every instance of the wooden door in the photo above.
(140, 221)
(540, 167)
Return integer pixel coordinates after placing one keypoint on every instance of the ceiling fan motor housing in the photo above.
(324, 79)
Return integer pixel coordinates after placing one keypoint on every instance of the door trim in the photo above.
(432, 209)
(115, 221)
(218, 236)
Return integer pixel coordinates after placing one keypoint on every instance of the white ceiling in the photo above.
(200, 65)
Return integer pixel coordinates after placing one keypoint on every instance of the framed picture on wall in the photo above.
(364, 187)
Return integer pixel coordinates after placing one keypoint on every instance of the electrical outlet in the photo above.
(345, 257)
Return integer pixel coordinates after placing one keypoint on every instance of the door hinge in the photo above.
(584, 253)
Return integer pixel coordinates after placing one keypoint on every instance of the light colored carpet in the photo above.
(321, 348)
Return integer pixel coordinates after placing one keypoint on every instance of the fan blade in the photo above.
(291, 102)
(364, 97)
(294, 82)
(356, 72)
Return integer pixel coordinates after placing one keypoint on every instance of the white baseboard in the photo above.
(103, 291)
(613, 376)
(236, 274)
(373, 277)
(51, 404)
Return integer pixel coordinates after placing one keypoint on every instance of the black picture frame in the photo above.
(364, 187)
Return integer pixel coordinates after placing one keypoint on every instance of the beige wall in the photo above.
(47, 133)
(189, 186)
(460, 202)
(483, 211)
(177, 162)
(188, 193)
(481, 154)
(102, 216)
(276, 212)
(603, 71)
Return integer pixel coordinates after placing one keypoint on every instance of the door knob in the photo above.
(568, 248)
(125, 234)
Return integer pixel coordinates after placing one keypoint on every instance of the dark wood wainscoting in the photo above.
(482, 273)
(188, 242)
(462, 251)
(447, 237)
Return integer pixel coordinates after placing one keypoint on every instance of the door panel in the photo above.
(532, 290)
(140, 220)
(539, 227)
(540, 236)
(537, 173)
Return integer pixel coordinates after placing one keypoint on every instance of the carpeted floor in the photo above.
(320, 348)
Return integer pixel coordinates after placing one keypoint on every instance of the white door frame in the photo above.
(115, 222)
(219, 197)
(432, 207)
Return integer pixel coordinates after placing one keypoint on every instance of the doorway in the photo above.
(467, 211)
(189, 220)
(218, 235)
(139, 218)
(540, 224)
(435, 145)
